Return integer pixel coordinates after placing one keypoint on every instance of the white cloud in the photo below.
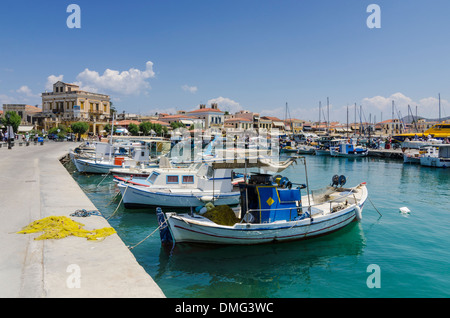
(128, 82)
(191, 89)
(226, 104)
(5, 99)
(25, 90)
(52, 79)
(427, 107)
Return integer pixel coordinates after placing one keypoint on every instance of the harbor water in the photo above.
(405, 254)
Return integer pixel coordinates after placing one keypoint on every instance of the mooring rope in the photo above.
(130, 248)
(118, 204)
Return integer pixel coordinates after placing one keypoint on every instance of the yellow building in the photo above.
(67, 104)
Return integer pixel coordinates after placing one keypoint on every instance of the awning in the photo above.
(25, 128)
(255, 162)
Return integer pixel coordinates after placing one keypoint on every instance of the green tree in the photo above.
(177, 124)
(14, 120)
(146, 127)
(80, 128)
(107, 128)
(133, 129)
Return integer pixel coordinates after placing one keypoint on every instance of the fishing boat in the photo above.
(325, 144)
(272, 209)
(348, 150)
(288, 146)
(190, 186)
(105, 159)
(414, 149)
(306, 150)
(436, 156)
(181, 187)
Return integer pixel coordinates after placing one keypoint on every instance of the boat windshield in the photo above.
(153, 177)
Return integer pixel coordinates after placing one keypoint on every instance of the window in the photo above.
(172, 179)
(188, 179)
(153, 177)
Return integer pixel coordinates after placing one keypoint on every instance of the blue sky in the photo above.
(170, 55)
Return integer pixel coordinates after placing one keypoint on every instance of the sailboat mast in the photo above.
(439, 107)
(320, 106)
(328, 115)
(112, 133)
(347, 120)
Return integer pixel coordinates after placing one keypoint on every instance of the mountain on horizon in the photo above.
(409, 119)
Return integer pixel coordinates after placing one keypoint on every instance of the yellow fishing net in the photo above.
(57, 227)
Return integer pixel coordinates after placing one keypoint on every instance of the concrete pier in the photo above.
(34, 185)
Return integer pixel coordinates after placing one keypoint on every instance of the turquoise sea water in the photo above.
(412, 250)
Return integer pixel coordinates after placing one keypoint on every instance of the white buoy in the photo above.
(206, 198)
(358, 213)
(404, 210)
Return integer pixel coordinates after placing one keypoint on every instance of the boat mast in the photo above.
(320, 106)
(328, 115)
(112, 132)
(347, 120)
(439, 107)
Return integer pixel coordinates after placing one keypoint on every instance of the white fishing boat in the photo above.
(322, 151)
(272, 209)
(191, 186)
(414, 149)
(105, 160)
(181, 187)
(306, 150)
(436, 156)
(348, 150)
(325, 144)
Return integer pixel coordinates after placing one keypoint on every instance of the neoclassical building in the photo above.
(67, 104)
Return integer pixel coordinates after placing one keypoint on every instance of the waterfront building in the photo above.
(423, 125)
(67, 104)
(186, 120)
(213, 117)
(265, 123)
(276, 123)
(294, 125)
(30, 115)
(238, 124)
(391, 126)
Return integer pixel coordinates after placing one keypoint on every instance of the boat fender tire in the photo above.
(358, 213)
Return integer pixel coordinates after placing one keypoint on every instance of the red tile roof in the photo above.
(206, 110)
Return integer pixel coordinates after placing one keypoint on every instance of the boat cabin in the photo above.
(200, 175)
(265, 199)
(350, 148)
